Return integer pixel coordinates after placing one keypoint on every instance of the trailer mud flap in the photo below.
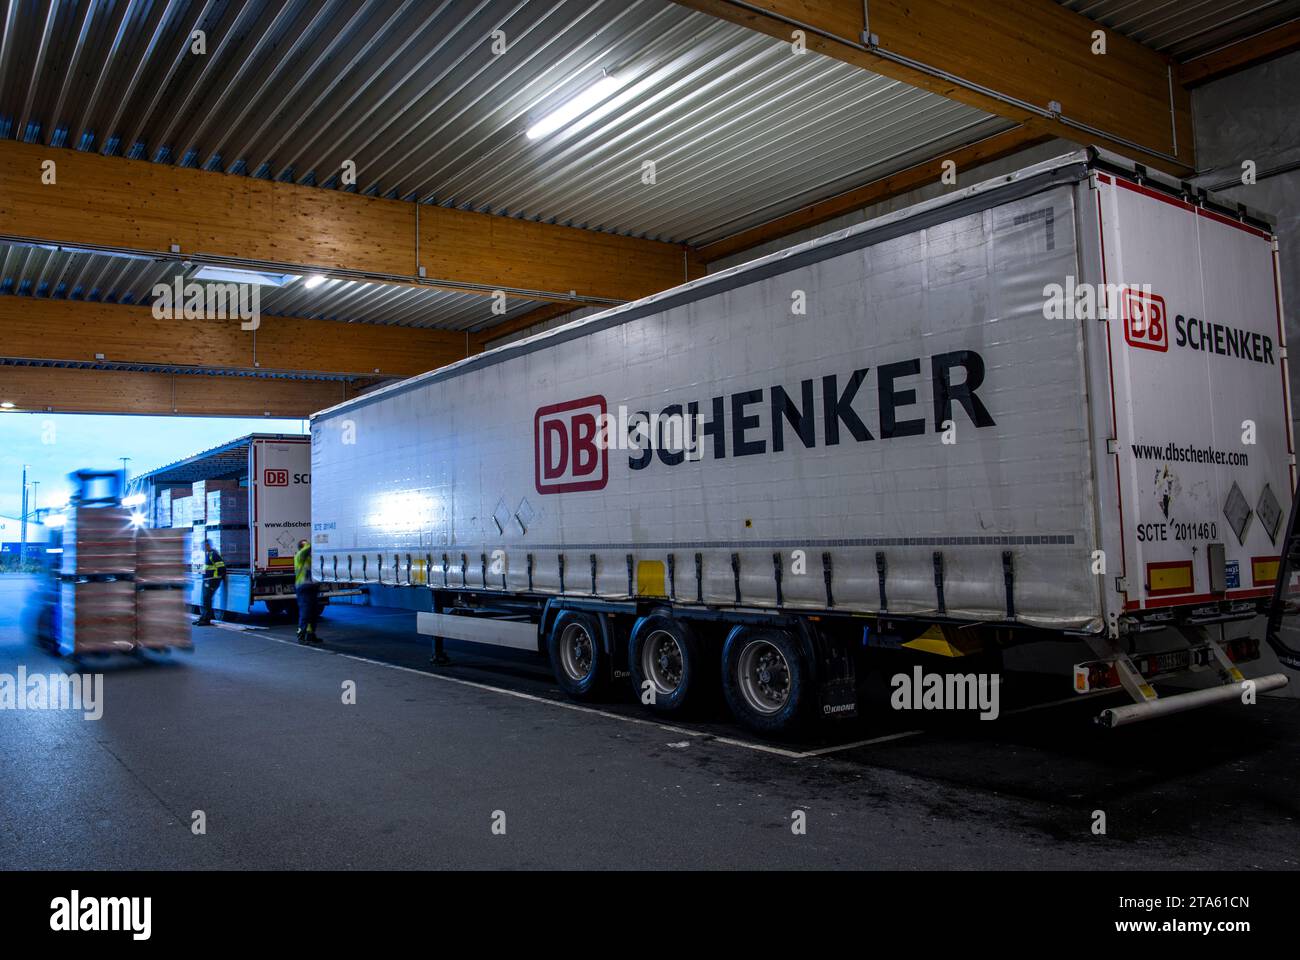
(837, 690)
(838, 698)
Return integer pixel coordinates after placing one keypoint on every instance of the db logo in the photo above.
(1144, 320)
(276, 478)
(564, 447)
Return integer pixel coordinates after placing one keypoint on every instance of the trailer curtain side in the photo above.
(887, 405)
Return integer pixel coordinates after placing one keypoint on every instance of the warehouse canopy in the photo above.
(224, 460)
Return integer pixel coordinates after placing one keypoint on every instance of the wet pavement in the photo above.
(251, 734)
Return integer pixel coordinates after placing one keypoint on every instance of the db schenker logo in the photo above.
(566, 455)
(276, 478)
(1145, 323)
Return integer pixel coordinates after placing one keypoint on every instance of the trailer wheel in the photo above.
(282, 609)
(664, 653)
(577, 654)
(45, 631)
(764, 679)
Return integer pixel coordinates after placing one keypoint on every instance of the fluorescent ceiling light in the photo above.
(117, 254)
(312, 282)
(233, 275)
(600, 90)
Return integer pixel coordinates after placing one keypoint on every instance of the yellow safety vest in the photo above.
(214, 568)
(302, 566)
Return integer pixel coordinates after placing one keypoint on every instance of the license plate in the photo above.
(1173, 660)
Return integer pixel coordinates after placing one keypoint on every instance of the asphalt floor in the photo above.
(484, 764)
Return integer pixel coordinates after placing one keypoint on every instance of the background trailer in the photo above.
(252, 498)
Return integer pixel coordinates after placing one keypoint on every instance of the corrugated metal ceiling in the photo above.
(62, 274)
(739, 128)
(1187, 28)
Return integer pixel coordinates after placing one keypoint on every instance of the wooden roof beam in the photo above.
(1019, 59)
(74, 198)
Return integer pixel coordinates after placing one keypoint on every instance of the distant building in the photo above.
(11, 534)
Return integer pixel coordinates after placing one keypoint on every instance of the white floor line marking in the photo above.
(760, 747)
(862, 743)
(640, 721)
(518, 694)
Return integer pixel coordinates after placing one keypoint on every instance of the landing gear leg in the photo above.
(439, 657)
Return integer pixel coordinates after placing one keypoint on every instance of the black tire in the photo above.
(45, 629)
(282, 609)
(665, 653)
(578, 657)
(771, 695)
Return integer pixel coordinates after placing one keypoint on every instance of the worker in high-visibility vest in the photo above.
(214, 573)
(306, 591)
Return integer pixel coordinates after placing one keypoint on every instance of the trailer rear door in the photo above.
(1202, 420)
(280, 477)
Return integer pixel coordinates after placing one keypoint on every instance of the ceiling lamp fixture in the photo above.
(234, 275)
(601, 90)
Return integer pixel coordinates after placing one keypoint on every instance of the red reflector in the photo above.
(1243, 648)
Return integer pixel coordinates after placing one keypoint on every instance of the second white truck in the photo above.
(251, 498)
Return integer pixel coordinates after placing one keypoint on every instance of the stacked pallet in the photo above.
(224, 521)
(162, 509)
(121, 589)
(182, 513)
(161, 583)
(159, 557)
(96, 589)
(98, 541)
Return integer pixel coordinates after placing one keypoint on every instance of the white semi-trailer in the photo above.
(1050, 405)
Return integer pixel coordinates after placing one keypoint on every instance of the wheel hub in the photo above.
(662, 662)
(763, 676)
(577, 652)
